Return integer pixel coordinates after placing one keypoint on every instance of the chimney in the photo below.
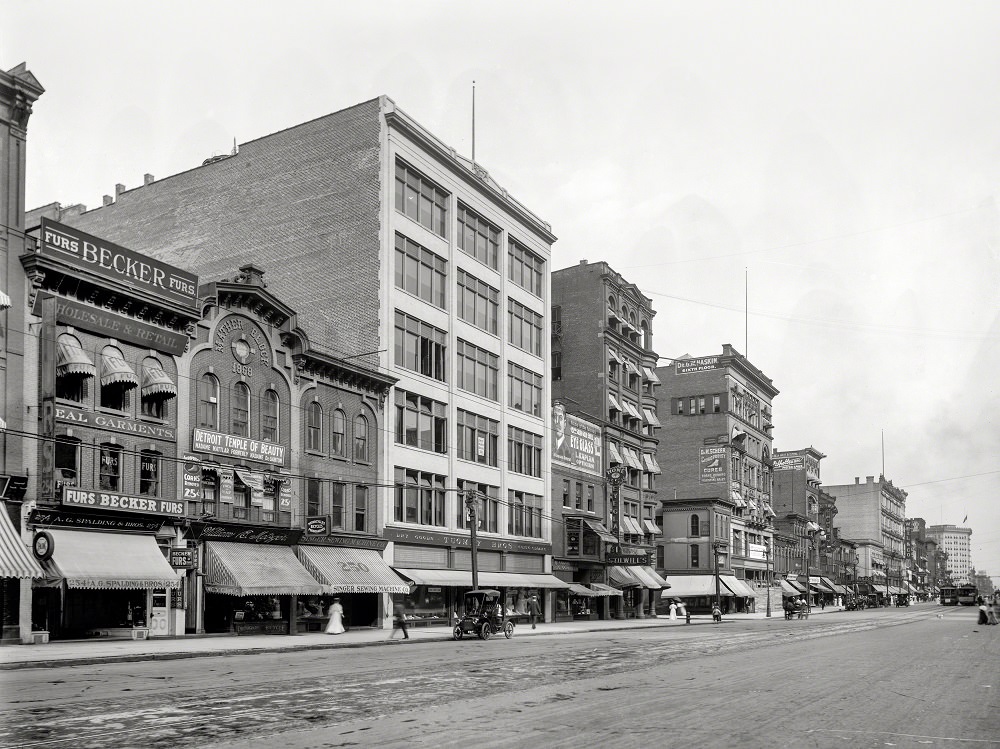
(119, 189)
(147, 179)
(870, 479)
(857, 479)
(108, 200)
(583, 262)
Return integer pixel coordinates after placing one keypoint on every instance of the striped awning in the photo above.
(651, 375)
(236, 569)
(623, 576)
(116, 371)
(15, 558)
(350, 570)
(601, 589)
(598, 527)
(651, 417)
(156, 383)
(73, 360)
(613, 403)
(650, 576)
(108, 561)
(616, 456)
(4, 301)
(651, 527)
(739, 587)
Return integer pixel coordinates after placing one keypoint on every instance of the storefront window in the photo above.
(111, 467)
(517, 599)
(426, 602)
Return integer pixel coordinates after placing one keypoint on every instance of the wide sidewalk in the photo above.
(83, 652)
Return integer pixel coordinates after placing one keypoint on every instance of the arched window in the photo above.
(208, 401)
(241, 410)
(117, 380)
(269, 417)
(338, 440)
(644, 335)
(157, 389)
(361, 439)
(695, 526)
(314, 427)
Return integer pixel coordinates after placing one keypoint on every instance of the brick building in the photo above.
(716, 448)
(956, 542)
(401, 255)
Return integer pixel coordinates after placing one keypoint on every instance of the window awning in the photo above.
(829, 584)
(613, 403)
(236, 569)
(650, 462)
(632, 458)
(631, 525)
(648, 577)
(15, 558)
(344, 570)
(651, 417)
(581, 590)
(798, 587)
(631, 409)
(463, 578)
(4, 301)
(689, 586)
(600, 589)
(787, 589)
(598, 527)
(655, 577)
(739, 588)
(651, 375)
(623, 576)
(614, 355)
(651, 527)
(156, 383)
(616, 457)
(73, 360)
(110, 561)
(116, 371)
(812, 527)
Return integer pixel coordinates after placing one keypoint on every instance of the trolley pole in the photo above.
(472, 505)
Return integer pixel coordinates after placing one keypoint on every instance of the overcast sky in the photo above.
(815, 183)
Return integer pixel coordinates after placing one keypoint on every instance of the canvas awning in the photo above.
(651, 527)
(830, 584)
(651, 417)
(236, 569)
(15, 558)
(463, 579)
(613, 355)
(73, 360)
(116, 371)
(4, 301)
(651, 375)
(623, 576)
(156, 383)
(613, 403)
(689, 586)
(739, 588)
(787, 589)
(109, 561)
(616, 456)
(820, 584)
(344, 570)
(798, 587)
(598, 527)
(581, 590)
(654, 577)
(600, 589)
(631, 526)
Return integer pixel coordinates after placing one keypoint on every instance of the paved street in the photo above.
(890, 677)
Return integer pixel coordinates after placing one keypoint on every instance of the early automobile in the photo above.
(484, 616)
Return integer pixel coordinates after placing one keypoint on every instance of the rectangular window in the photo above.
(716, 404)
(360, 507)
(478, 237)
(420, 347)
(153, 407)
(478, 302)
(701, 404)
(524, 267)
(111, 468)
(556, 365)
(579, 495)
(420, 497)
(149, 473)
(67, 453)
(590, 497)
(314, 496)
(525, 391)
(337, 504)
(524, 452)
(524, 516)
(695, 556)
(524, 328)
(421, 422)
(488, 509)
(478, 438)
(680, 406)
(565, 494)
(420, 272)
(72, 387)
(478, 370)
(420, 199)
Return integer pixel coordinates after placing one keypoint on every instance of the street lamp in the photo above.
(472, 505)
(812, 535)
(767, 566)
(718, 547)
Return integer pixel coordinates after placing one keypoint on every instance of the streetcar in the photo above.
(967, 595)
(949, 595)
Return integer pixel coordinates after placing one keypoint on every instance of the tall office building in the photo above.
(956, 541)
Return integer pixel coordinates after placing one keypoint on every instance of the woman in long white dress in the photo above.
(336, 624)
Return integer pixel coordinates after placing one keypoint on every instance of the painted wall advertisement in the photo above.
(791, 463)
(576, 443)
(702, 364)
(713, 465)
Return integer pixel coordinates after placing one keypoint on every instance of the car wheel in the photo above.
(485, 631)
(508, 630)
(457, 632)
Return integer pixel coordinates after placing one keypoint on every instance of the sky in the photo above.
(815, 183)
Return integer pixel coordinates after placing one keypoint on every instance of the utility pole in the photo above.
(472, 506)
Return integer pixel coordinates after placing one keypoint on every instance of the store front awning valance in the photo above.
(4, 301)
(739, 588)
(598, 527)
(109, 561)
(116, 371)
(581, 590)
(463, 579)
(73, 360)
(350, 570)
(15, 558)
(156, 383)
(236, 569)
(600, 589)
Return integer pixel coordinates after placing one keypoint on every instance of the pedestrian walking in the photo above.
(336, 624)
(534, 610)
(716, 612)
(399, 620)
(673, 609)
(991, 613)
(983, 616)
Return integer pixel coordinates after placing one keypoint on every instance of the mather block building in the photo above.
(403, 256)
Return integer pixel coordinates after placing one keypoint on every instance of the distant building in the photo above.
(957, 544)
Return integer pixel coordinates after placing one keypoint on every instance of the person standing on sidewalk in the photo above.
(399, 620)
(534, 610)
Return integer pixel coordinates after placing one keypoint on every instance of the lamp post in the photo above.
(472, 505)
(718, 548)
(812, 535)
(767, 567)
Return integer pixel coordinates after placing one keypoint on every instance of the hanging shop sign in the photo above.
(98, 500)
(47, 519)
(184, 558)
(115, 423)
(218, 443)
(116, 263)
(317, 525)
(192, 477)
(42, 545)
